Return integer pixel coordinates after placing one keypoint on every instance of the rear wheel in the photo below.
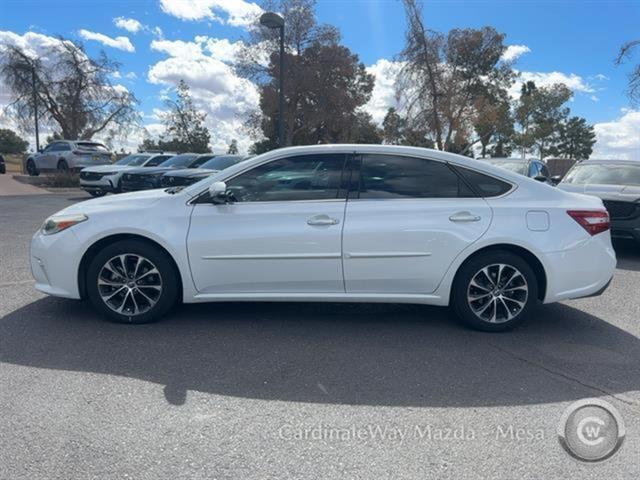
(132, 281)
(31, 168)
(63, 166)
(494, 291)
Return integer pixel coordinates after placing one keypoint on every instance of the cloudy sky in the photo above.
(158, 42)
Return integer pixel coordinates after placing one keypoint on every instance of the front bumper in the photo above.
(54, 263)
(626, 229)
(139, 184)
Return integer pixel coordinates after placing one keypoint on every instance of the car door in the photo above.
(407, 222)
(281, 233)
(44, 160)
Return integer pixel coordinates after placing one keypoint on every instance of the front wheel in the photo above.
(494, 291)
(132, 281)
(31, 168)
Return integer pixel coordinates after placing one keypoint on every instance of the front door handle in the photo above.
(464, 217)
(322, 220)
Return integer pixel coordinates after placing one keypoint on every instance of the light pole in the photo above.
(273, 20)
(34, 94)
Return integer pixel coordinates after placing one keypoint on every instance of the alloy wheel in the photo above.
(497, 293)
(129, 284)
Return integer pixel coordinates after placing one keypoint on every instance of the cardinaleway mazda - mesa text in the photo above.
(356, 223)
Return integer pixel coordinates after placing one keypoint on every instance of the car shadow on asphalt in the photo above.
(393, 355)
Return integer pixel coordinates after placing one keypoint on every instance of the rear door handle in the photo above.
(464, 217)
(322, 220)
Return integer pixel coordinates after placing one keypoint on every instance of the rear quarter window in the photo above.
(484, 185)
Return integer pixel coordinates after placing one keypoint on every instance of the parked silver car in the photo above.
(63, 155)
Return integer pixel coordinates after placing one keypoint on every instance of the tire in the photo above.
(63, 166)
(95, 193)
(482, 304)
(120, 308)
(31, 168)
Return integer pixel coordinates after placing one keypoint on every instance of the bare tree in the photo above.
(73, 92)
(634, 77)
(443, 76)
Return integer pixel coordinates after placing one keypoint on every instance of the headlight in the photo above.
(57, 223)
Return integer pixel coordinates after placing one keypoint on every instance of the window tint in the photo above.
(222, 162)
(390, 176)
(56, 147)
(91, 146)
(485, 185)
(307, 177)
(132, 160)
(201, 160)
(155, 161)
(544, 171)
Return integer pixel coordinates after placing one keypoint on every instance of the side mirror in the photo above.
(556, 179)
(218, 193)
(540, 178)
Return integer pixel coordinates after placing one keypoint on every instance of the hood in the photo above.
(191, 172)
(106, 168)
(133, 200)
(625, 193)
(148, 170)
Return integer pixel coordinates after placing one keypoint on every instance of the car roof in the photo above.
(510, 159)
(609, 161)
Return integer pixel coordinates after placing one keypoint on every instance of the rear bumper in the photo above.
(582, 271)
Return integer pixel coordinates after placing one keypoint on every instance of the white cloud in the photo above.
(602, 77)
(513, 52)
(383, 95)
(238, 13)
(545, 79)
(620, 138)
(204, 65)
(121, 43)
(129, 24)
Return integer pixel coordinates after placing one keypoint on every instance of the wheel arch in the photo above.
(528, 256)
(92, 251)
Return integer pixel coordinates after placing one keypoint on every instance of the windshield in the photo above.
(132, 160)
(93, 147)
(604, 174)
(222, 162)
(201, 161)
(183, 160)
(516, 167)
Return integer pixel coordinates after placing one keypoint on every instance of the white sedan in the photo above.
(337, 223)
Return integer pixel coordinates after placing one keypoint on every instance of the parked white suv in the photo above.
(63, 155)
(104, 179)
(337, 223)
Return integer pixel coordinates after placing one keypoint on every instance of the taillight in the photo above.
(593, 221)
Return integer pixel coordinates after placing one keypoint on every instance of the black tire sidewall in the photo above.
(470, 268)
(63, 166)
(158, 257)
(33, 171)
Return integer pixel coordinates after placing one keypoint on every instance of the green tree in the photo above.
(494, 125)
(10, 142)
(233, 147)
(540, 112)
(577, 139)
(184, 125)
(393, 127)
(325, 83)
(444, 76)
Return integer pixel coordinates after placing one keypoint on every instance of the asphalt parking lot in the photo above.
(280, 390)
